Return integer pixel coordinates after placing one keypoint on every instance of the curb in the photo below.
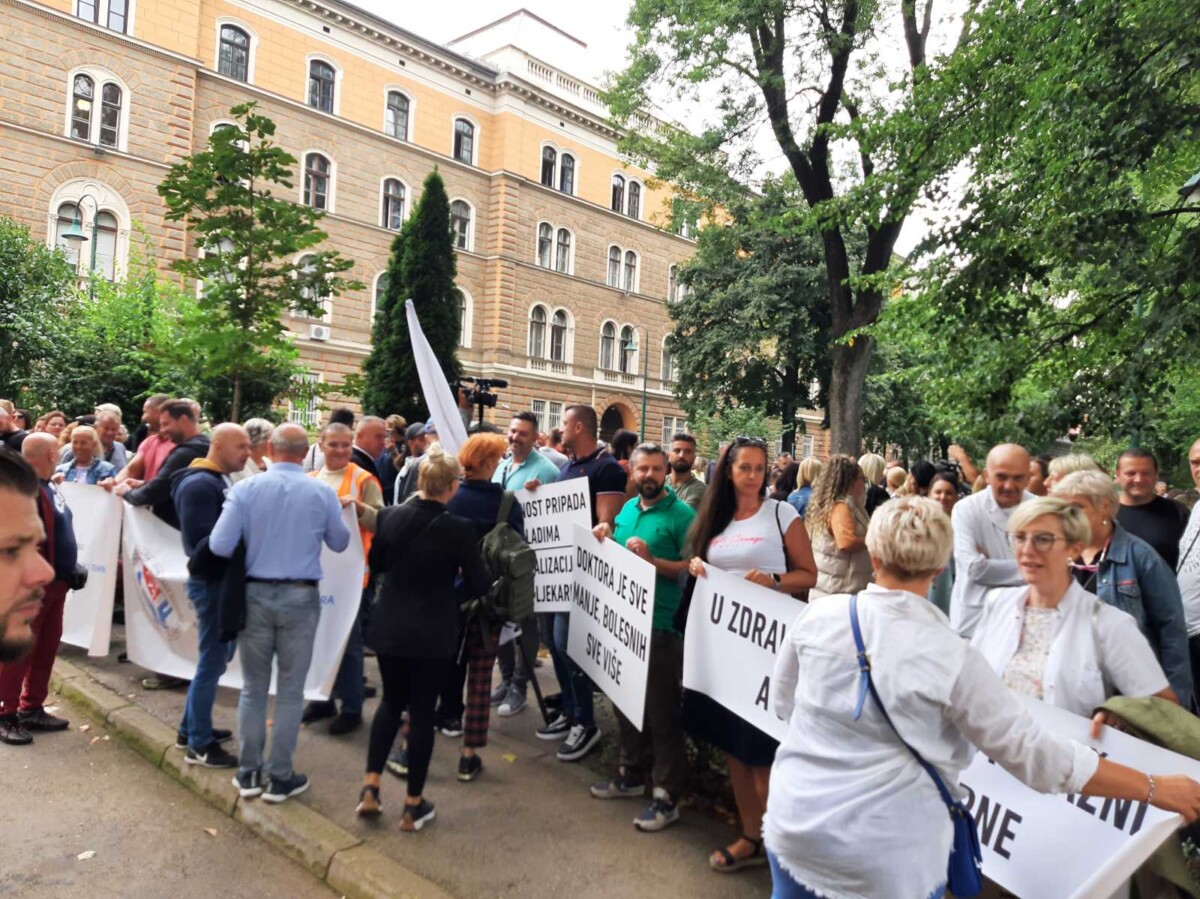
(330, 853)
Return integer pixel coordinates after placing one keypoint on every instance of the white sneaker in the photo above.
(514, 703)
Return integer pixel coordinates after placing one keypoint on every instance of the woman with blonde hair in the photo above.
(1062, 466)
(87, 465)
(898, 482)
(874, 468)
(419, 548)
(806, 475)
(837, 525)
(54, 423)
(851, 810)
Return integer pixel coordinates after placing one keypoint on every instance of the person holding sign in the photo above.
(654, 526)
(742, 532)
(851, 811)
(1053, 640)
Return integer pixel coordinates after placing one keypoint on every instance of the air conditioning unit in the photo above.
(318, 332)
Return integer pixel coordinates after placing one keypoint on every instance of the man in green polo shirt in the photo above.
(654, 525)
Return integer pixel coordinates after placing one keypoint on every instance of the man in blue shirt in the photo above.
(283, 516)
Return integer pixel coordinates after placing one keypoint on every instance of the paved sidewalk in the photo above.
(79, 791)
(526, 827)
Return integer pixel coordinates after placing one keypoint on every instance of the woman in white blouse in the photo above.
(850, 812)
(1052, 639)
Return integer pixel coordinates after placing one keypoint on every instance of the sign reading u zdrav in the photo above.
(612, 607)
(550, 513)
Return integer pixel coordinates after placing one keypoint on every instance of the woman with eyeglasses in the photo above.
(1127, 573)
(837, 522)
(739, 530)
(1052, 639)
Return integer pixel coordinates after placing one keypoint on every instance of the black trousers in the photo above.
(413, 684)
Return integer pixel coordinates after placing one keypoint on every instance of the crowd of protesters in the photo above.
(1044, 577)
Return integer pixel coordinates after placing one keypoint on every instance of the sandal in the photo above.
(369, 809)
(729, 862)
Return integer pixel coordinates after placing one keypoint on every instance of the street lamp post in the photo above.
(644, 337)
(75, 237)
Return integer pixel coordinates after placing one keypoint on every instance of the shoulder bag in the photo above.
(964, 873)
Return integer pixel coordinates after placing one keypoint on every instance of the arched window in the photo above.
(549, 162)
(321, 81)
(630, 271)
(110, 115)
(558, 337)
(317, 171)
(396, 117)
(393, 204)
(68, 214)
(537, 332)
(460, 223)
(618, 194)
(83, 92)
(104, 232)
(608, 340)
(545, 244)
(628, 354)
(668, 363)
(614, 266)
(99, 252)
(464, 141)
(672, 283)
(381, 281)
(566, 174)
(233, 60)
(562, 256)
(635, 199)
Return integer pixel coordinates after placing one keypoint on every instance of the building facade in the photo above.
(567, 257)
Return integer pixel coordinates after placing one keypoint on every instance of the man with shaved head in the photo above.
(983, 558)
(198, 493)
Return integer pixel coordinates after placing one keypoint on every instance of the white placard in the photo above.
(160, 626)
(734, 631)
(96, 517)
(551, 511)
(612, 608)
(1042, 846)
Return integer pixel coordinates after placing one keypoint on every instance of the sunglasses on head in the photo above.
(750, 441)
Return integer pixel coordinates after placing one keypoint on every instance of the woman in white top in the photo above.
(1052, 639)
(851, 813)
(741, 531)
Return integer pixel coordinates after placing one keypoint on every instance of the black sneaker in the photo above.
(211, 756)
(345, 723)
(469, 767)
(580, 741)
(316, 711)
(249, 784)
(40, 720)
(283, 790)
(220, 735)
(557, 729)
(417, 816)
(12, 733)
(397, 763)
(451, 727)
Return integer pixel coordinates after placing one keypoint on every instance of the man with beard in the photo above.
(24, 572)
(654, 525)
(684, 482)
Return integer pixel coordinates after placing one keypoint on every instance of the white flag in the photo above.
(438, 395)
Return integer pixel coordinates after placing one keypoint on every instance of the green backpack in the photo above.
(511, 565)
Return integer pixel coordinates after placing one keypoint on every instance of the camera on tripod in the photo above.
(479, 393)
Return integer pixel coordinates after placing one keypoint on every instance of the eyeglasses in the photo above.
(750, 441)
(1043, 543)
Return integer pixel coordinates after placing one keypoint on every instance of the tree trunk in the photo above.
(791, 379)
(850, 362)
(235, 409)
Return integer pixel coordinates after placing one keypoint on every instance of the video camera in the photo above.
(479, 393)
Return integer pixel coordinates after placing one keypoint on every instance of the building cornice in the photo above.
(79, 24)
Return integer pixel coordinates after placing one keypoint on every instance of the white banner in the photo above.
(551, 511)
(734, 631)
(160, 626)
(442, 403)
(612, 607)
(1048, 847)
(96, 516)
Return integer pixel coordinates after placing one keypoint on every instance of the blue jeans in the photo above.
(783, 886)
(281, 623)
(349, 686)
(202, 693)
(576, 688)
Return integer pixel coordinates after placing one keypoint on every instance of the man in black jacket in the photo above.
(370, 437)
(178, 420)
(198, 493)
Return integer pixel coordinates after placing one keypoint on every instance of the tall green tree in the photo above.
(250, 236)
(752, 327)
(814, 76)
(422, 269)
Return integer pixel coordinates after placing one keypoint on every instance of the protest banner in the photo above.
(160, 626)
(96, 516)
(612, 608)
(734, 631)
(551, 511)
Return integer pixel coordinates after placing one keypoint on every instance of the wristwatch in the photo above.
(775, 578)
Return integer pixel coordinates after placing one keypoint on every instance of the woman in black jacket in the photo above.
(419, 548)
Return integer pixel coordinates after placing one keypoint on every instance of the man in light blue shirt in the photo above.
(284, 517)
(523, 465)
